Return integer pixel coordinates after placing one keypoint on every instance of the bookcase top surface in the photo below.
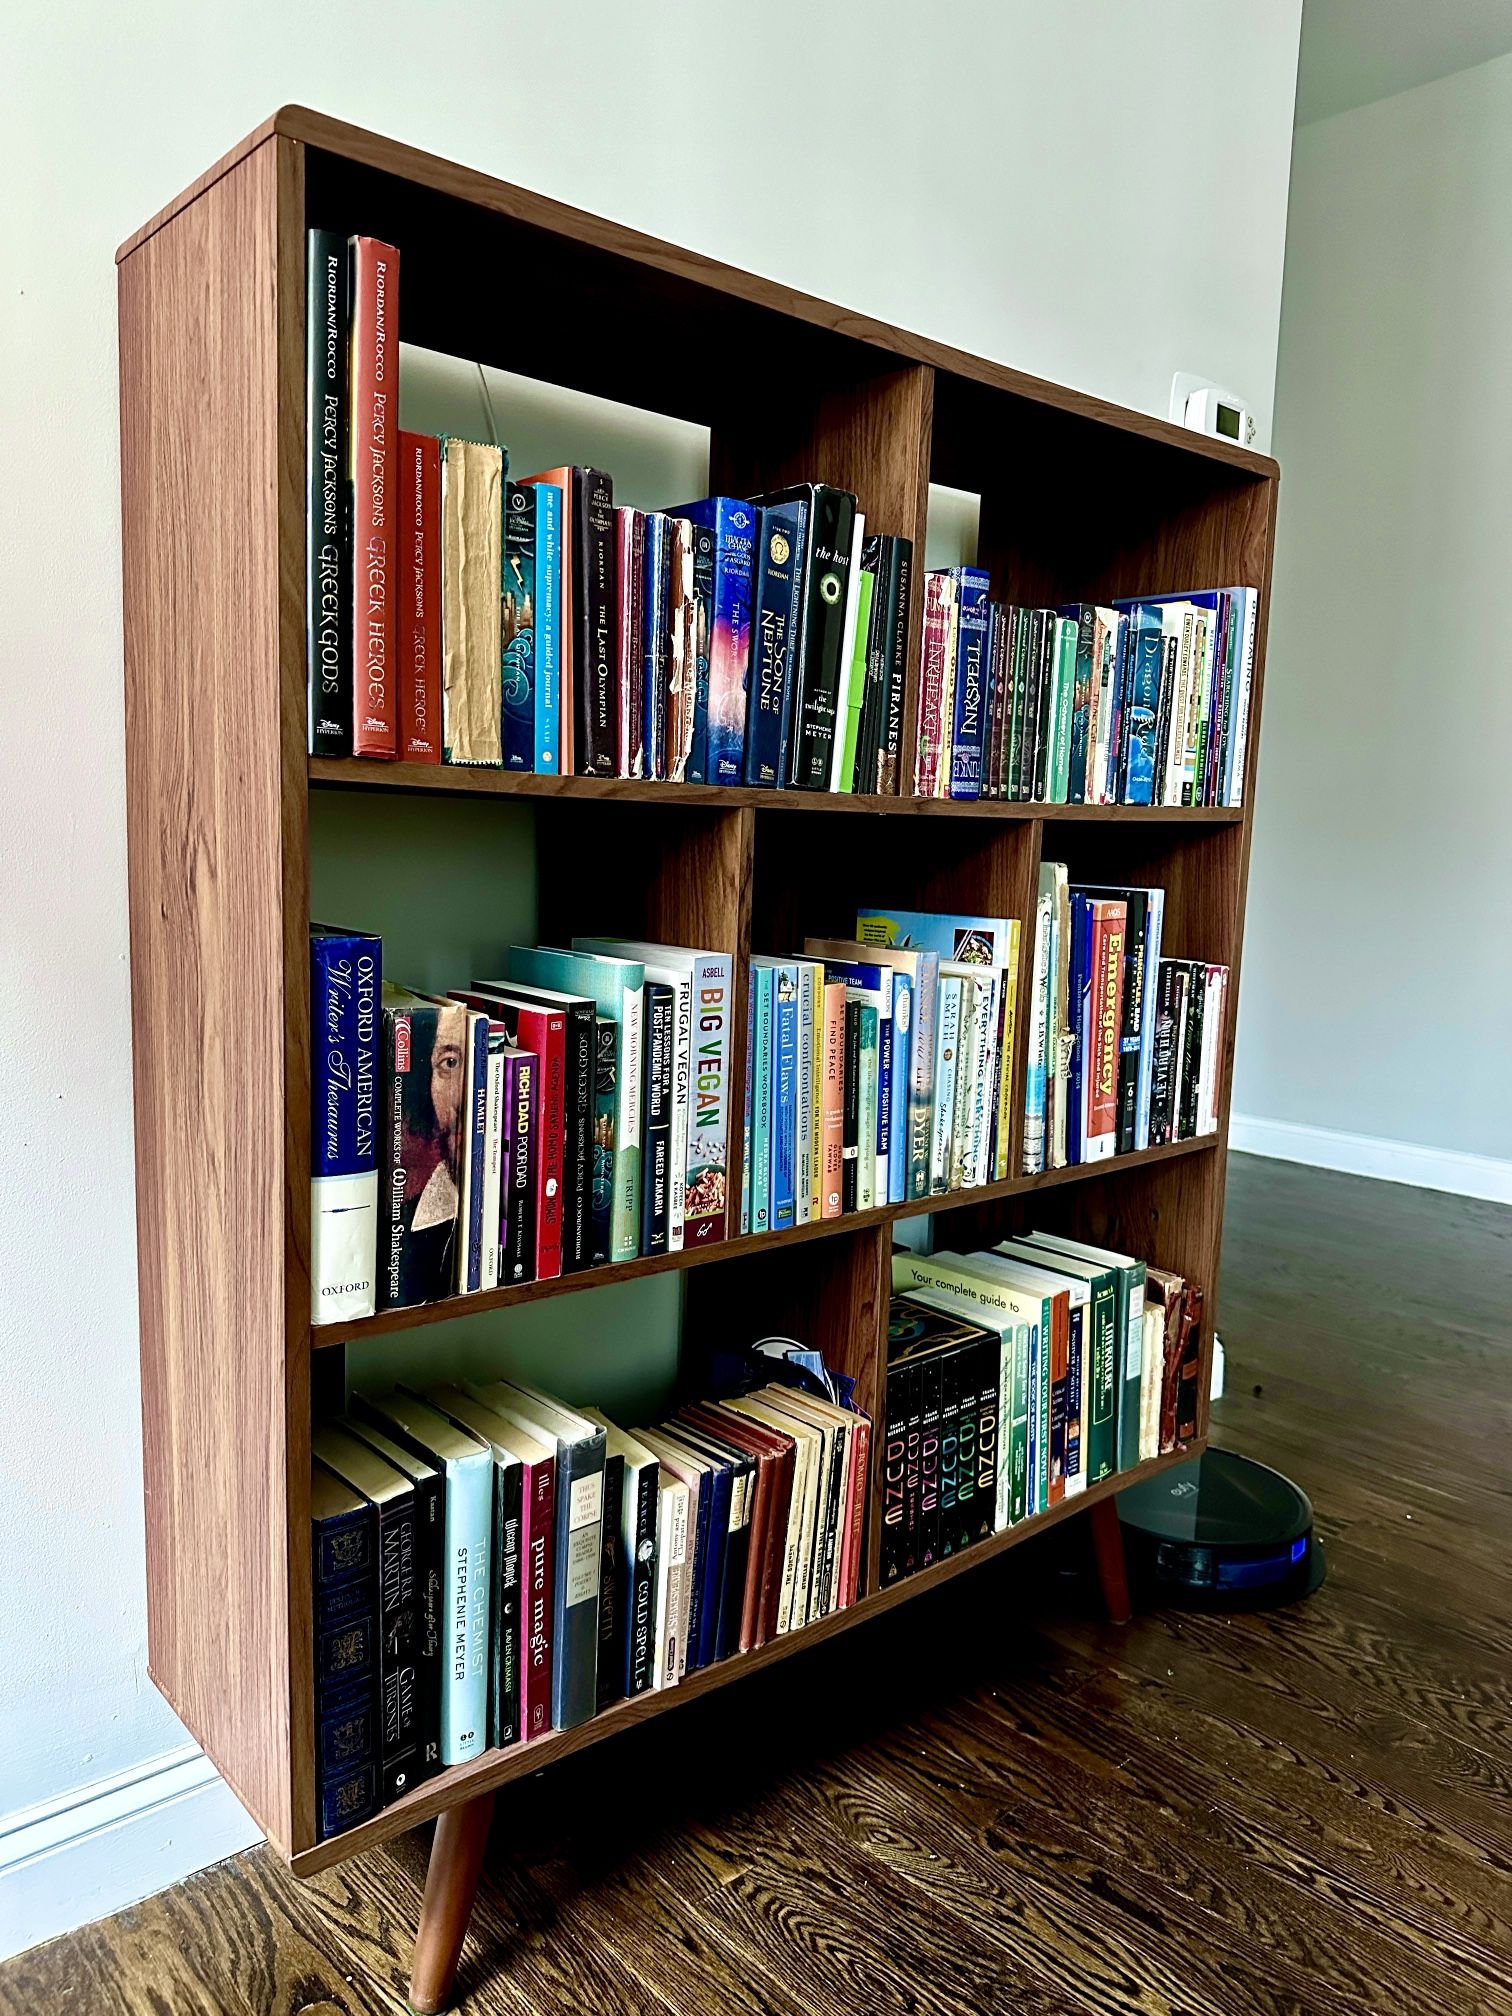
(446, 178)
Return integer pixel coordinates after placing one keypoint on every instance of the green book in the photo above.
(1107, 1347)
(1063, 690)
(615, 987)
(848, 727)
(1129, 1325)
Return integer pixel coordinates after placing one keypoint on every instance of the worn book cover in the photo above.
(472, 569)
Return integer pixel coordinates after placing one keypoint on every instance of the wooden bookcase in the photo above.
(1079, 498)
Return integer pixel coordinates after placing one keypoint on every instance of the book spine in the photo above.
(671, 1572)
(612, 1612)
(1131, 1363)
(345, 989)
(1002, 1087)
(950, 1453)
(579, 1511)
(373, 437)
(625, 1224)
(1037, 1067)
(506, 1676)
(771, 649)
(746, 1141)
(682, 1073)
(474, 1158)
(971, 669)
(930, 1401)
(329, 577)
(761, 1103)
(580, 1066)
(784, 1096)
(832, 1005)
(700, 645)
(705, 1198)
(606, 1070)
(911, 1400)
(730, 640)
(900, 595)
(810, 979)
(1102, 1429)
(1013, 722)
(418, 587)
(548, 629)
(851, 1110)
(628, 563)
(472, 597)
(345, 1581)
(1191, 1061)
(1245, 677)
(639, 1527)
(921, 1089)
(867, 1081)
(947, 1042)
(517, 1260)
(464, 1686)
(829, 555)
(517, 625)
(1033, 1440)
(1131, 1023)
(1076, 1386)
(1081, 704)
(594, 656)
(900, 1142)
(938, 593)
(493, 1166)
(1109, 930)
(656, 1190)
(399, 1629)
(537, 1573)
(1060, 1378)
(850, 696)
(654, 642)
(990, 1430)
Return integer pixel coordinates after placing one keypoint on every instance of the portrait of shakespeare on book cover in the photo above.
(432, 1137)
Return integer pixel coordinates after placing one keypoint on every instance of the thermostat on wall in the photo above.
(1208, 409)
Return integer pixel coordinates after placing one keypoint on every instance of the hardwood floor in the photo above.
(1001, 1803)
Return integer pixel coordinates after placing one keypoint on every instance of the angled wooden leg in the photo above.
(1112, 1573)
(451, 1883)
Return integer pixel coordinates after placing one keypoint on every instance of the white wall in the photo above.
(1092, 191)
(1378, 960)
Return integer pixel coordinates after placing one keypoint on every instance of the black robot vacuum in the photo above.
(1220, 1532)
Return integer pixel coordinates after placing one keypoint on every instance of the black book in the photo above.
(894, 1489)
(430, 1547)
(611, 1647)
(1039, 627)
(656, 1110)
(931, 1400)
(1163, 1069)
(1023, 630)
(875, 560)
(851, 1110)
(988, 1452)
(1191, 1056)
(639, 1507)
(595, 669)
(1043, 724)
(577, 1100)
(899, 593)
(392, 1496)
(344, 1575)
(328, 583)
(999, 677)
(913, 1478)
(829, 529)
(958, 1451)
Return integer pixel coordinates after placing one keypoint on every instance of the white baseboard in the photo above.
(97, 1849)
(1371, 1155)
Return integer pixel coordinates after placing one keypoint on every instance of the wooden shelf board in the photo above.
(423, 1313)
(500, 1767)
(363, 774)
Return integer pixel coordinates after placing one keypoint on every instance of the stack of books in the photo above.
(491, 1565)
(879, 1068)
(460, 614)
(1017, 1377)
(572, 1113)
(1143, 702)
(1126, 1047)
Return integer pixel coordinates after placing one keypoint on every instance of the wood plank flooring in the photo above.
(996, 1802)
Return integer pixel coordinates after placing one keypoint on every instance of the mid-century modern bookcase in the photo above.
(1078, 499)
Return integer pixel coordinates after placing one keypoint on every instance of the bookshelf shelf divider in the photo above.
(219, 785)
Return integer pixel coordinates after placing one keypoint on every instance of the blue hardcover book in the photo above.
(1141, 702)
(775, 630)
(973, 627)
(733, 522)
(697, 771)
(466, 1467)
(344, 1563)
(784, 1092)
(763, 987)
(720, 1478)
(346, 976)
(1078, 1004)
(654, 646)
(517, 626)
(548, 628)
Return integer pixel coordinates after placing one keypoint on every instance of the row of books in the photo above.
(1017, 1377)
(572, 1113)
(490, 1565)
(1143, 702)
(458, 614)
(879, 1068)
(1126, 1046)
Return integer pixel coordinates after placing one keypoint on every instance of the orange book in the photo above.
(832, 1099)
(567, 760)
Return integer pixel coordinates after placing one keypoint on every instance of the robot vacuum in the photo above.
(1220, 1532)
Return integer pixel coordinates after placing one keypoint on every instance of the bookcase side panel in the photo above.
(200, 472)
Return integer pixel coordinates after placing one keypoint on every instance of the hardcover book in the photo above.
(343, 1529)
(972, 587)
(422, 1122)
(417, 582)
(517, 619)
(733, 522)
(472, 570)
(774, 637)
(595, 664)
(430, 1552)
(565, 581)
(346, 975)
(329, 579)
(828, 534)
(373, 439)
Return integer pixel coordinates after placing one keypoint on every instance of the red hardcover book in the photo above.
(1110, 930)
(537, 1553)
(1061, 1403)
(529, 1026)
(860, 1494)
(419, 577)
(375, 545)
(782, 1452)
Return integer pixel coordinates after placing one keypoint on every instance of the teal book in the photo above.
(1128, 1324)
(763, 995)
(1100, 1437)
(616, 988)
(1062, 711)
(466, 1466)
